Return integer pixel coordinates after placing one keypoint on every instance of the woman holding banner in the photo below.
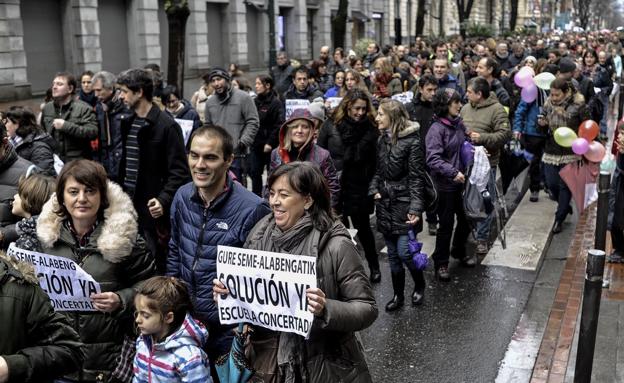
(92, 222)
(302, 223)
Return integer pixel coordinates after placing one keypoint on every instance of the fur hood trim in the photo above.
(25, 269)
(119, 229)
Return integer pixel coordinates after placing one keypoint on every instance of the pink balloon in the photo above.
(596, 152)
(524, 77)
(529, 93)
(580, 146)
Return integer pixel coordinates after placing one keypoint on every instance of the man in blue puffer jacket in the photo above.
(210, 211)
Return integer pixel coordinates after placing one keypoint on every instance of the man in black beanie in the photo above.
(235, 111)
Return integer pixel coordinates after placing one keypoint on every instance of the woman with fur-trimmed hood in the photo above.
(91, 221)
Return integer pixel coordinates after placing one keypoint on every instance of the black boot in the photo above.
(418, 296)
(398, 284)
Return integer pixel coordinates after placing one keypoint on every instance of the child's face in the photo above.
(18, 210)
(148, 321)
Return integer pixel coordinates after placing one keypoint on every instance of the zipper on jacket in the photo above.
(199, 246)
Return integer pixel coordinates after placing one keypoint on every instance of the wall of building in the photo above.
(39, 38)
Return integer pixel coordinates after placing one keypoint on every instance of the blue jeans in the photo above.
(558, 190)
(483, 228)
(398, 253)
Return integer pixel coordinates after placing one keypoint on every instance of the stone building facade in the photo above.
(41, 37)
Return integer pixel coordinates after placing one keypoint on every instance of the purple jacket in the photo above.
(444, 140)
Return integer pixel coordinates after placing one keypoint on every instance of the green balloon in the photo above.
(564, 136)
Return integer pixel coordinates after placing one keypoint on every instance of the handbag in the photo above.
(234, 367)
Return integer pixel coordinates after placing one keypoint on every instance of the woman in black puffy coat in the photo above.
(271, 114)
(30, 141)
(351, 138)
(398, 188)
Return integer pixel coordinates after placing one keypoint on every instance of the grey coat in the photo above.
(333, 353)
(236, 113)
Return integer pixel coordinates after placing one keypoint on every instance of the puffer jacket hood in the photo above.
(179, 354)
(119, 230)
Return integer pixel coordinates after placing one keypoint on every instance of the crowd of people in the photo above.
(123, 176)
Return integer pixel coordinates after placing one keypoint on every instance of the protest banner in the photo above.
(67, 284)
(334, 101)
(187, 128)
(405, 97)
(292, 105)
(266, 289)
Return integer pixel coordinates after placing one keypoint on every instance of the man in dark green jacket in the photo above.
(71, 122)
(37, 344)
(488, 125)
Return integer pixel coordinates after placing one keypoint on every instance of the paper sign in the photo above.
(292, 105)
(334, 101)
(266, 289)
(68, 285)
(405, 97)
(187, 128)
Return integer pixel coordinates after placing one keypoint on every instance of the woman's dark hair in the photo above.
(86, 73)
(169, 91)
(26, 120)
(86, 172)
(490, 63)
(339, 71)
(307, 179)
(353, 95)
(165, 295)
(315, 68)
(268, 82)
(442, 100)
(243, 83)
(354, 61)
(561, 84)
(590, 52)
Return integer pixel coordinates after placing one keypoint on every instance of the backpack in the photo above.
(595, 107)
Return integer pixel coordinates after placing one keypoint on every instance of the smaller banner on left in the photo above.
(67, 284)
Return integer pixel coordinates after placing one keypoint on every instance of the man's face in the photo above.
(502, 50)
(60, 88)
(324, 55)
(602, 57)
(219, 84)
(281, 59)
(540, 44)
(130, 98)
(206, 161)
(400, 51)
(519, 51)
(552, 58)
(473, 97)
(480, 50)
(440, 68)
(442, 52)
(102, 93)
(427, 92)
(563, 49)
(556, 95)
(371, 49)
(301, 81)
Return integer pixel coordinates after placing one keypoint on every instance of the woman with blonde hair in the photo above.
(398, 190)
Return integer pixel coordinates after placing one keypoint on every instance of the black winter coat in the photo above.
(400, 179)
(39, 148)
(37, 343)
(12, 168)
(352, 144)
(421, 112)
(162, 163)
(271, 115)
(111, 145)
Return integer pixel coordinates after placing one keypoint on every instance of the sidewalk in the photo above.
(556, 358)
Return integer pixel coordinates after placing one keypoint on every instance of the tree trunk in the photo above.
(513, 15)
(463, 11)
(583, 7)
(420, 18)
(177, 14)
(339, 24)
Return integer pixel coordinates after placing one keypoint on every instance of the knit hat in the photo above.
(299, 114)
(530, 58)
(219, 72)
(566, 65)
(352, 53)
(317, 109)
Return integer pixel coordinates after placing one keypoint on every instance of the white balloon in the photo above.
(543, 80)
